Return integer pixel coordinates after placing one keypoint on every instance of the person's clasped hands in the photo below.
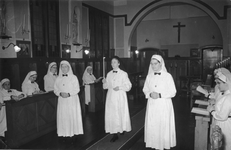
(64, 95)
(37, 92)
(116, 88)
(154, 95)
(17, 98)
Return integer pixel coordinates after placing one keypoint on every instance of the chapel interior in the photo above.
(193, 37)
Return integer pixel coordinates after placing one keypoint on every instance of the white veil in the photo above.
(49, 67)
(70, 72)
(161, 60)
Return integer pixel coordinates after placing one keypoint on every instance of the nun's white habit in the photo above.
(49, 78)
(27, 86)
(88, 79)
(8, 93)
(69, 118)
(159, 130)
(3, 126)
(222, 113)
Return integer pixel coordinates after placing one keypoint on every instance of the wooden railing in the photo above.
(30, 118)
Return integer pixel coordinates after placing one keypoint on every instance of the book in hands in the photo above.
(202, 102)
(200, 111)
(201, 90)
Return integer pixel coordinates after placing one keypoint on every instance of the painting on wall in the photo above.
(195, 52)
(66, 51)
(25, 49)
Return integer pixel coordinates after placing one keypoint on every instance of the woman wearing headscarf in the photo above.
(159, 89)
(29, 86)
(117, 117)
(88, 78)
(66, 87)
(6, 94)
(3, 126)
(9, 93)
(221, 111)
(50, 77)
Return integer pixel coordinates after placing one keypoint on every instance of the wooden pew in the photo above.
(30, 118)
(202, 127)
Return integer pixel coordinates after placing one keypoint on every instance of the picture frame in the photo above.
(66, 54)
(195, 53)
(25, 51)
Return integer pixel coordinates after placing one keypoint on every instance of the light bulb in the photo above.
(67, 51)
(16, 48)
(136, 51)
(86, 51)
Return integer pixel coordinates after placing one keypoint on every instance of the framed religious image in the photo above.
(164, 53)
(66, 51)
(195, 52)
(25, 49)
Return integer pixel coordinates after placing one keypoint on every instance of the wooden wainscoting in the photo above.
(30, 118)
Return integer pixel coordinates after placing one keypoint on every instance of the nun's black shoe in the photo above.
(114, 138)
(122, 133)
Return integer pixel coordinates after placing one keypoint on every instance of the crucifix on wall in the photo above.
(179, 26)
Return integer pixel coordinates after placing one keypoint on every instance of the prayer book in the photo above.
(202, 102)
(200, 111)
(201, 90)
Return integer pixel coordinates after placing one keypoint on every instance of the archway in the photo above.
(145, 11)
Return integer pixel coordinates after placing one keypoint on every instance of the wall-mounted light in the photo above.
(86, 51)
(137, 52)
(16, 48)
(68, 51)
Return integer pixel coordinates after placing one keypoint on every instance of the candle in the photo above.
(88, 38)
(69, 30)
(67, 34)
(88, 34)
(24, 22)
(103, 68)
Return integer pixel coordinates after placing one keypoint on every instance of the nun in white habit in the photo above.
(69, 117)
(159, 88)
(88, 78)
(29, 86)
(3, 126)
(221, 111)
(117, 117)
(50, 77)
(9, 93)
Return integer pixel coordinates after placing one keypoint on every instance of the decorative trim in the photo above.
(226, 7)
